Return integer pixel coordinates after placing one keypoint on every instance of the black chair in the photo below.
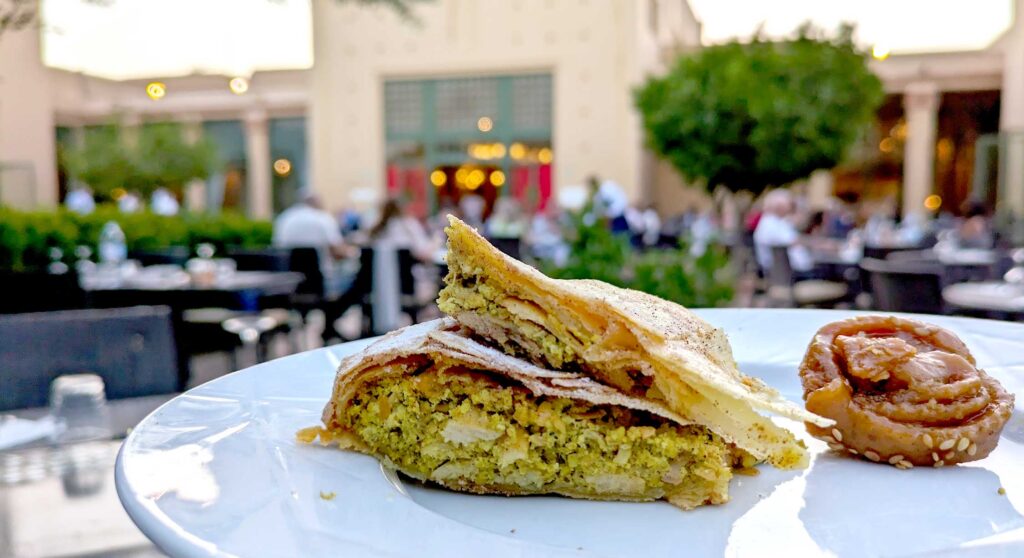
(266, 259)
(39, 291)
(784, 288)
(132, 349)
(510, 246)
(174, 255)
(411, 304)
(906, 286)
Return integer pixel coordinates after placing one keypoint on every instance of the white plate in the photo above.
(217, 471)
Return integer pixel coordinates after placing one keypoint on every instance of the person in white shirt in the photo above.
(80, 200)
(129, 203)
(162, 202)
(307, 225)
(397, 229)
(775, 229)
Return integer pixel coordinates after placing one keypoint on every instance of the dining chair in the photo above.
(132, 349)
(906, 286)
(785, 289)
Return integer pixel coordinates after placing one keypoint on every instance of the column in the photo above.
(921, 105)
(1011, 119)
(257, 164)
(195, 190)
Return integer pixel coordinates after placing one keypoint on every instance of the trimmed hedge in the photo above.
(26, 237)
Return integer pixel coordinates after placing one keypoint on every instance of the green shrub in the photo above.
(26, 237)
(673, 274)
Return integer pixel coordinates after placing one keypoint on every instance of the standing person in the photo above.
(80, 200)
(399, 229)
(775, 228)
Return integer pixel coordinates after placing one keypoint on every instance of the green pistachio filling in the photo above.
(468, 429)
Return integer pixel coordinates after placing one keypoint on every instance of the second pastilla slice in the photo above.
(640, 344)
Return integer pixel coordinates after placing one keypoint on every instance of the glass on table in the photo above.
(78, 403)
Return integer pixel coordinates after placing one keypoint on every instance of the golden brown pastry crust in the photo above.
(901, 392)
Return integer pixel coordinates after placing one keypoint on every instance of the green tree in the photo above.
(157, 156)
(758, 114)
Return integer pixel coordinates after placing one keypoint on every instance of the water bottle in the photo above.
(112, 246)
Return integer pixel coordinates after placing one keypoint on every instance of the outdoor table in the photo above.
(59, 500)
(1005, 299)
(240, 290)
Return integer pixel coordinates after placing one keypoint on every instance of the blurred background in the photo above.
(191, 187)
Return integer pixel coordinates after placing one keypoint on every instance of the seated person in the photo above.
(776, 229)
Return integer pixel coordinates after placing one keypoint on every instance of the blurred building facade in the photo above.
(497, 97)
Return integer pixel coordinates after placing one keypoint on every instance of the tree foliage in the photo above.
(153, 156)
(762, 113)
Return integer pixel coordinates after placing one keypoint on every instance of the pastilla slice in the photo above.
(640, 344)
(438, 406)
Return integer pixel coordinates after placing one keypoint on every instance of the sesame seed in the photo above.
(837, 434)
(836, 447)
(939, 463)
(935, 456)
(949, 455)
(1001, 491)
(947, 444)
(871, 455)
(962, 444)
(972, 449)
(895, 459)
(851, 450)
(928, 441)
(907, 464)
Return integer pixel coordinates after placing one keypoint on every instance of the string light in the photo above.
(485, 124)
(517, 151)
(238, 85)
(156, 90)
(498, 178)
(880, 52)
(283, 167)
(545, 156)
(438, 178)
(933, 202)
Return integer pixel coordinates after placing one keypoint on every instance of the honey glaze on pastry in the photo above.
(901, 392)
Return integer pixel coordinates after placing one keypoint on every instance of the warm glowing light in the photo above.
(887, 145)
(485, 124)
(880, 52)
(118, 193)
(498, 178)
(517, 151)
(475, 179)
(933, 202)
(899, 131)
(461, 175)
(156, 90)
(944, 149)
(438, 178)
(283, 167)
(498, 151)
(238, 85)
(545, 155)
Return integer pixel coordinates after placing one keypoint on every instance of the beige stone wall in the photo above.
(27, 136)
(596, 51)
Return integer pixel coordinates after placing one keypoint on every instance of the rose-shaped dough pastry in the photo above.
(901, 392)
